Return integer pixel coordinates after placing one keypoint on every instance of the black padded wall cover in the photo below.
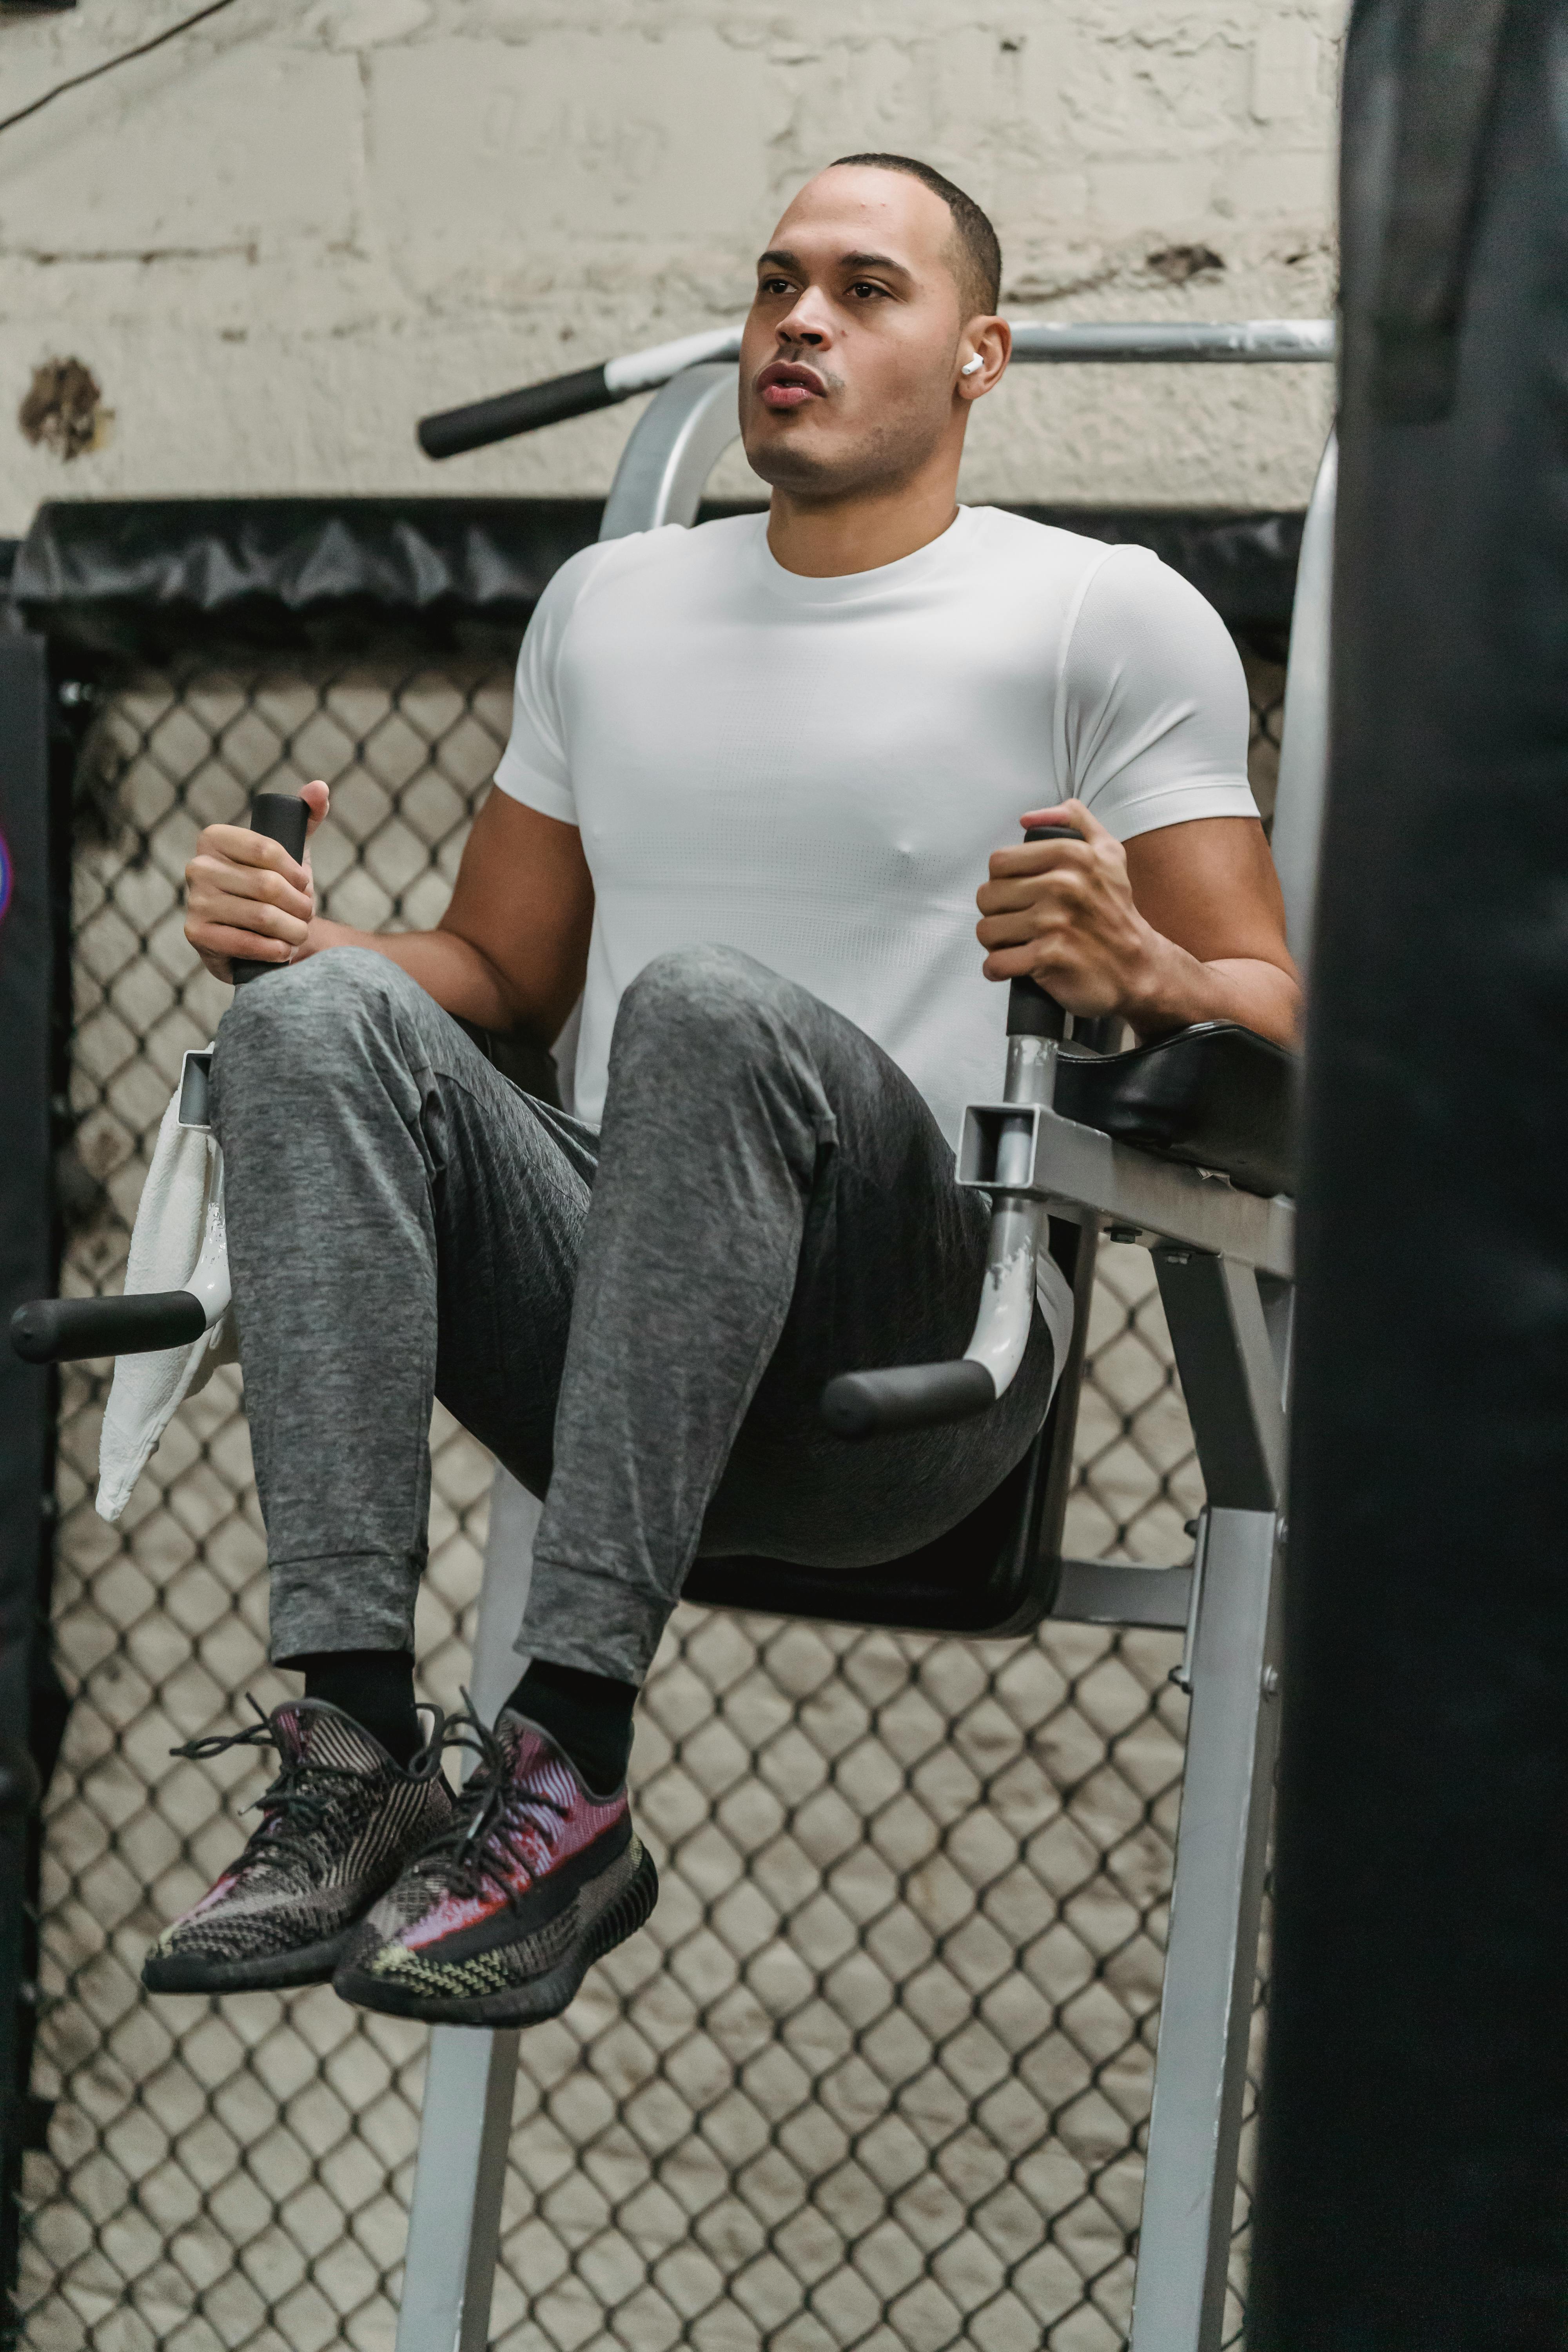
(1414, 2183)
(156, 578)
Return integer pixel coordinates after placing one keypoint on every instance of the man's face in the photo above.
(851, 350)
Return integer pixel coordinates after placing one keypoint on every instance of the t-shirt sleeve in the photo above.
(1154, 703)
(536, 768)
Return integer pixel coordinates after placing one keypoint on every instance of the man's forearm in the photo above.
(1180, 991)
(461, 978)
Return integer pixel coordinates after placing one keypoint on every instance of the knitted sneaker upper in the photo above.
(338, 1823)
(528, 1851)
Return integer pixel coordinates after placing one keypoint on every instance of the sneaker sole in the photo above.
(543, 1997)
(271, 1972)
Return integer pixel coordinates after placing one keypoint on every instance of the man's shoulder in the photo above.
(1043, 547)
(672, 547)
(1127, 582)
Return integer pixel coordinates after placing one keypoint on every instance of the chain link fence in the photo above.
(877, 2074)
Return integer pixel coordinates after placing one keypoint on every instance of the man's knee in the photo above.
(310, 1017)
(704, 991)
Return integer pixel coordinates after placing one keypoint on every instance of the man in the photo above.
(755, 773)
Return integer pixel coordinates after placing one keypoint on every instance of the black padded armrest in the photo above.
(1216, 1096)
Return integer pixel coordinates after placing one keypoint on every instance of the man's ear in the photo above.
(989, 340)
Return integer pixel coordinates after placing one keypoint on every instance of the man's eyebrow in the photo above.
(780, 257)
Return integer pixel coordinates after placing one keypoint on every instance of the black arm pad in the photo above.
(453, 430)
(907, 1396)
(60, 1330)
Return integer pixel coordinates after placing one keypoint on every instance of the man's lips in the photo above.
(782, 385)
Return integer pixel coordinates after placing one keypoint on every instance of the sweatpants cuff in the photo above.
(578, 1617)
(342, 1601)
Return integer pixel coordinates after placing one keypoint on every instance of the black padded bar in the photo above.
(453, 430)
(281, 817)
(1214, 1096)
(63, 1331)
(906, 1396)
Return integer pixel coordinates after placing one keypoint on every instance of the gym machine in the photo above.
(1184, 1145)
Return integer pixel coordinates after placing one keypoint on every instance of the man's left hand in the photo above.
(1062, 912)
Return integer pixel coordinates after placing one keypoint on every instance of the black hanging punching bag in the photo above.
(1414, 2173)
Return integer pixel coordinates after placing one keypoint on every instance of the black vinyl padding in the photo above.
(1216, 1096)
(996, 1573)
(151, 579)
(979, 1577)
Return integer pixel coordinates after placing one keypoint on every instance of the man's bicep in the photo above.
(1155, 710)
(524, 898)
(1210, 886)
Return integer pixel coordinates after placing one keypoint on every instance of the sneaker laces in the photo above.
(290, 1808)
(471, 1853)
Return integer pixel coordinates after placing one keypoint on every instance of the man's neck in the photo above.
(823, 539)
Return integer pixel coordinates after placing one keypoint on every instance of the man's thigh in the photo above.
(510, 1185)
(891, 1273)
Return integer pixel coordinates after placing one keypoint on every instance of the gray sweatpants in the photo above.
(639, 1323)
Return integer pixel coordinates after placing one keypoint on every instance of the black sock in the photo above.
(588, 1716)
(375, 1687)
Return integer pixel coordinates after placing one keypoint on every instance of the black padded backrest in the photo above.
(1216, 1096)
(996, 1572)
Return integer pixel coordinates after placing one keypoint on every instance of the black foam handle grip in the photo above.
(907, 1396)
(453, 430)
(62, 1331)
(281, 816)
(1033, 1010)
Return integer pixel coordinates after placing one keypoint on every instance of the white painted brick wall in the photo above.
(279, 239)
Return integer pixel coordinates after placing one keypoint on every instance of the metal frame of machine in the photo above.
(1223, 1261)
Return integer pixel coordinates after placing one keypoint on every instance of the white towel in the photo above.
(176, 1207)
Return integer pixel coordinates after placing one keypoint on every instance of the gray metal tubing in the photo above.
(1173, 342)
(1205, 2011)
(454, 2228)
(464, 2125)
(673, 447)
(1242, 341)
(641, 371)
(208, 1281)
(1006, 1310)
(1078, 1168)
(1229, 1374)
(1231, 1346)
(1001, 1333)
(1304, 738)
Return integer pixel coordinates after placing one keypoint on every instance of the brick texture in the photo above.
(285, 234)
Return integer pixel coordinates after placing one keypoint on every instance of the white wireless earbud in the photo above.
(971, 366)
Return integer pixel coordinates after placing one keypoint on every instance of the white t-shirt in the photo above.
(815, 771)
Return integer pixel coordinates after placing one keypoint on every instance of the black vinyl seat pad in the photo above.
(1216, 1096)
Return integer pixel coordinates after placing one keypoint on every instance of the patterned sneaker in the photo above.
(337, 1825)
(497, 1922)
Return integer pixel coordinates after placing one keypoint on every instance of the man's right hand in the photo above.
(245, 896)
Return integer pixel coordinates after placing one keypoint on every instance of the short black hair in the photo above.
(979, 272)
